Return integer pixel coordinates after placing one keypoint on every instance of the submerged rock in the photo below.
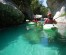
(9, 14)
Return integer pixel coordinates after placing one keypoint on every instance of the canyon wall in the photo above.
(58, 8)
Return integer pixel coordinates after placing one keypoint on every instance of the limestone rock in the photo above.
(58, 7)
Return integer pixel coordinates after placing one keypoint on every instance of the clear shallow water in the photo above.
(22, 41)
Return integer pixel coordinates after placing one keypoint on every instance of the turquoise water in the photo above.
(28, 40)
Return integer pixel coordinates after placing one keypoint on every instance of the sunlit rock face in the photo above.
(58, 7)
(9, 14)
(61, 21)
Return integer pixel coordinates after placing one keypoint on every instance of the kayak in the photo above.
(49, 26)
(31, 23)
(51, 30)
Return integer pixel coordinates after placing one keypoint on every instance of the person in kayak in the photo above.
(35, 20)
(50, 20)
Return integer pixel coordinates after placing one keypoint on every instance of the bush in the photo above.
(9, 15)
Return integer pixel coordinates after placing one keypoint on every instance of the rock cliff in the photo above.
(58, 7)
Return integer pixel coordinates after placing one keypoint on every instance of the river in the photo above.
(22, 41)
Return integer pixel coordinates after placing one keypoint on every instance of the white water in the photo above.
(61, 21)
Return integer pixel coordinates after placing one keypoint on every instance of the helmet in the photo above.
(49, 14)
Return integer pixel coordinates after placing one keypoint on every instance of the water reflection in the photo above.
(36, 33)
(10, 34)
(35, 36)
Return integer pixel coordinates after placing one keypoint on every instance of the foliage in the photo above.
(22, 4)
(37, 8)
(44, 10)
(33, 5)
(9, 15)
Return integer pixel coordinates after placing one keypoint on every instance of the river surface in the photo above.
(28, 40)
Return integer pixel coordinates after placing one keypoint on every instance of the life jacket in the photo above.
(49, 21)
(35, 20)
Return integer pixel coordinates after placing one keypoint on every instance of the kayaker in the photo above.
(35, 20)
(50, 20)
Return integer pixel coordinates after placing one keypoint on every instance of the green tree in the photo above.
(30, 7)
(37, 8)
(44, 10)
